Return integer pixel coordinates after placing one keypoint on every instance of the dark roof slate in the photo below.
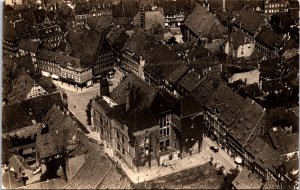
(201, 21)
(28, 112)
(28, 45)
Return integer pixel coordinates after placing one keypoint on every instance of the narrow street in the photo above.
(79, 99)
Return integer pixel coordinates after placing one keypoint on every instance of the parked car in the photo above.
(214, 149)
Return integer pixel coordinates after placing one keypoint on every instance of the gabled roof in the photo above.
(284, 143)
(89, 177)
(190, 80)
(16, 162)
(249, 20)
(158, 52)
(114, 33)
(22, 85)
(204, 91)
(236, 39)
(49, 144)
(28, 112)
(271, 184)
(248, 122)
(204, 63)
(144, 93)
(62, 60)
(269, 38)
(264, 155)
(85, 45)
(201, 22)
(198, 52)
(47, 84)
(137, 42)
(293, 78)
(180, 70)
(243, 117)
(247, 180)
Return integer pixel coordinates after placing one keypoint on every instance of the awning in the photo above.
(238, 160)
(46, 74)
(55, 76)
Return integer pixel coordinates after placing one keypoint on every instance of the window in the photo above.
(161, 145)
(118, 135)
(123, 151)
(118, 147)
(167, 143)
(123, 141)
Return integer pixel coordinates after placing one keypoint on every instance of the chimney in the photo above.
(104, 87)
(224, 6)
(127, 94)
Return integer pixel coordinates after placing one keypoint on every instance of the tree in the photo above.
(228, 179)
(88, 112)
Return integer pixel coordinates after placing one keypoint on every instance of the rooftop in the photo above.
(28, 112)
(247, 180)
(49, 144)
(249, 20)
(201, 22)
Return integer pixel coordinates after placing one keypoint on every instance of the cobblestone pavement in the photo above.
(220, 159)
(78, 98)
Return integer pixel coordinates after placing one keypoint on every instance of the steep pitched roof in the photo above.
(85, 45)
(269, 38)
(247, 180)
(17, 160)
(236, 38)
(28, 112)
(144, 93)
(22, 85)
(49, 144)
(190, 80)
(137, 42)
(201, 22)
(88, 176)
(180, 70)
(284, 143)
(204, 91)
(159, 52)
(249, 20)
(264, 155)
(248, 122)
(47, 84)
(63, 60)
(242, 116)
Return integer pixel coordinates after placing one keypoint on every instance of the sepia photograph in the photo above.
(150, 94)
